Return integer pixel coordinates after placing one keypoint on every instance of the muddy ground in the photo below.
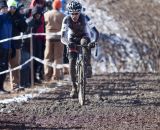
(126, 101)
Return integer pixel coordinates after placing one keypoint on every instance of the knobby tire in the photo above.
(82, 84)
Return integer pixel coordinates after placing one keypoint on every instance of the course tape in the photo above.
(16, 68)
(16, 38)
(28, 36)
(46, 34)
(58, 66)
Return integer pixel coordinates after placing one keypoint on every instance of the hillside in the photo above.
(129, 33)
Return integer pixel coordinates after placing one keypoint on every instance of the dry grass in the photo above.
(142, 21)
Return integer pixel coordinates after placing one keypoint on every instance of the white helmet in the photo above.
(74, 6)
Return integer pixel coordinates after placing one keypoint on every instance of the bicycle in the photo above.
(81, 71)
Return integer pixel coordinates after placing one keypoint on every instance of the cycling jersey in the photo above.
(74, 31)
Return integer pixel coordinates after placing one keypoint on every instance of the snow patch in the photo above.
(26, 97)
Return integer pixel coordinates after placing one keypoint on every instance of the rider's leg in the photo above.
(72, 71)
(88, 62)
(84, 41)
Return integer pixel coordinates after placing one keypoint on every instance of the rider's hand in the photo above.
(71, 45)
(91, 44)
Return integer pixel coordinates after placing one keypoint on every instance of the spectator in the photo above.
(39, 42)
(5, 32)
(39, 3)
(63, 8)
(65, 58)
(34, 22)
(18, 25)
(25, 81)
(48, 5)
(27, 12)
(20, 8)
(54, 47)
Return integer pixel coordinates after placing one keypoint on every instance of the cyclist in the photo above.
(76, 29)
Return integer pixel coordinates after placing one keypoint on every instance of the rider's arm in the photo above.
(64, 32)
(93, 29)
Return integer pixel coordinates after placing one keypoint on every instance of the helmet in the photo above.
(74, 5)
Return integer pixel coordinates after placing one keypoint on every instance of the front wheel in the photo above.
(81, 85)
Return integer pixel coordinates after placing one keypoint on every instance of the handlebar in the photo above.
(82, 45)
(91, 45)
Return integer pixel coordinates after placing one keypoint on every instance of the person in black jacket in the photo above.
(5, 32)
(34, 22)
(18, 26)
(25, 81)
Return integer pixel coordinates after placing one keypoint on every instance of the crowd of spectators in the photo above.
(42, 16)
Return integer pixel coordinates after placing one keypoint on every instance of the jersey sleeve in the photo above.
(89, 22)
(64, 30)
(93, 29)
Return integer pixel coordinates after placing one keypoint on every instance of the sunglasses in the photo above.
(74, 13)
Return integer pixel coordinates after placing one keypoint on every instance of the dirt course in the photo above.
(124, 101)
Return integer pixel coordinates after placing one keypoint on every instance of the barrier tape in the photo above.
(28, 36)
(46, 34)
(58, 66)
(16, 38)
(16, 68)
